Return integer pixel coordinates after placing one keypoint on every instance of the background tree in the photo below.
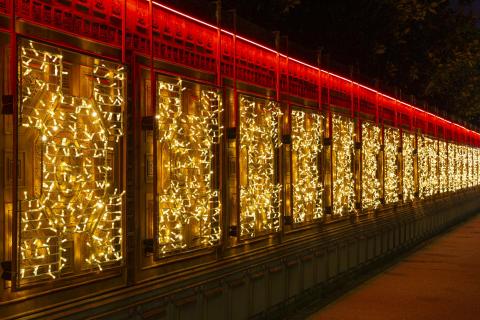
(430, 49)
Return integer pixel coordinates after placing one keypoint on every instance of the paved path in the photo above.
(439, 281)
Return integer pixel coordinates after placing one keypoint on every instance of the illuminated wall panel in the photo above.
(476, 160)
(468, 164)
(427, 166)
(259, 189)
(463, 166)
(467, 161)
(307, 133)
(443, 166)
(474, 167)
(463, 152)
(371, 187)
(188, 128)
(391, 177)
(477, 156)
(471, 170)
(458, 167)
(342, 160)
(409, 155)
(71, 124)
(453, 181)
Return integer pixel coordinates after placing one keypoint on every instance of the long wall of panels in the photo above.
(160, 147)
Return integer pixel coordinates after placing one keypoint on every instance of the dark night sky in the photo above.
(476, 6)
(417, 64)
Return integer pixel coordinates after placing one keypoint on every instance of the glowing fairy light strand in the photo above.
(259, 193)
(343, 181)
(307, 132)
(427, 166)
(371, 187)
(73, 191)
(443, 166)
(408, 182)
(391, 172)
(188, 203)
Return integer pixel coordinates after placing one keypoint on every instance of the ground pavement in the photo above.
(439, 281)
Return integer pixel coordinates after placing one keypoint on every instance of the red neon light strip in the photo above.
(316, 68)
(184, 15)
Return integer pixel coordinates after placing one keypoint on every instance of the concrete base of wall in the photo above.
(273, 282)
(325, 293)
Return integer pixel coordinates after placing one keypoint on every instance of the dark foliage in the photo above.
(430, 49)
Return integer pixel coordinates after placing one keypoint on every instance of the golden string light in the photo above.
(427, 166)
(466, 159)
(371, 187)
(307, 133)
(259, 190)
(471, 177)
(433, 166)
(465, 166)
(451, 165)
(189, 205)
(463, 152)
(408, 149)
(342, 158)
(443, 166)
(391, 178)
(74, 206)
(458, 167)
(474, 167)
(468, 167)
